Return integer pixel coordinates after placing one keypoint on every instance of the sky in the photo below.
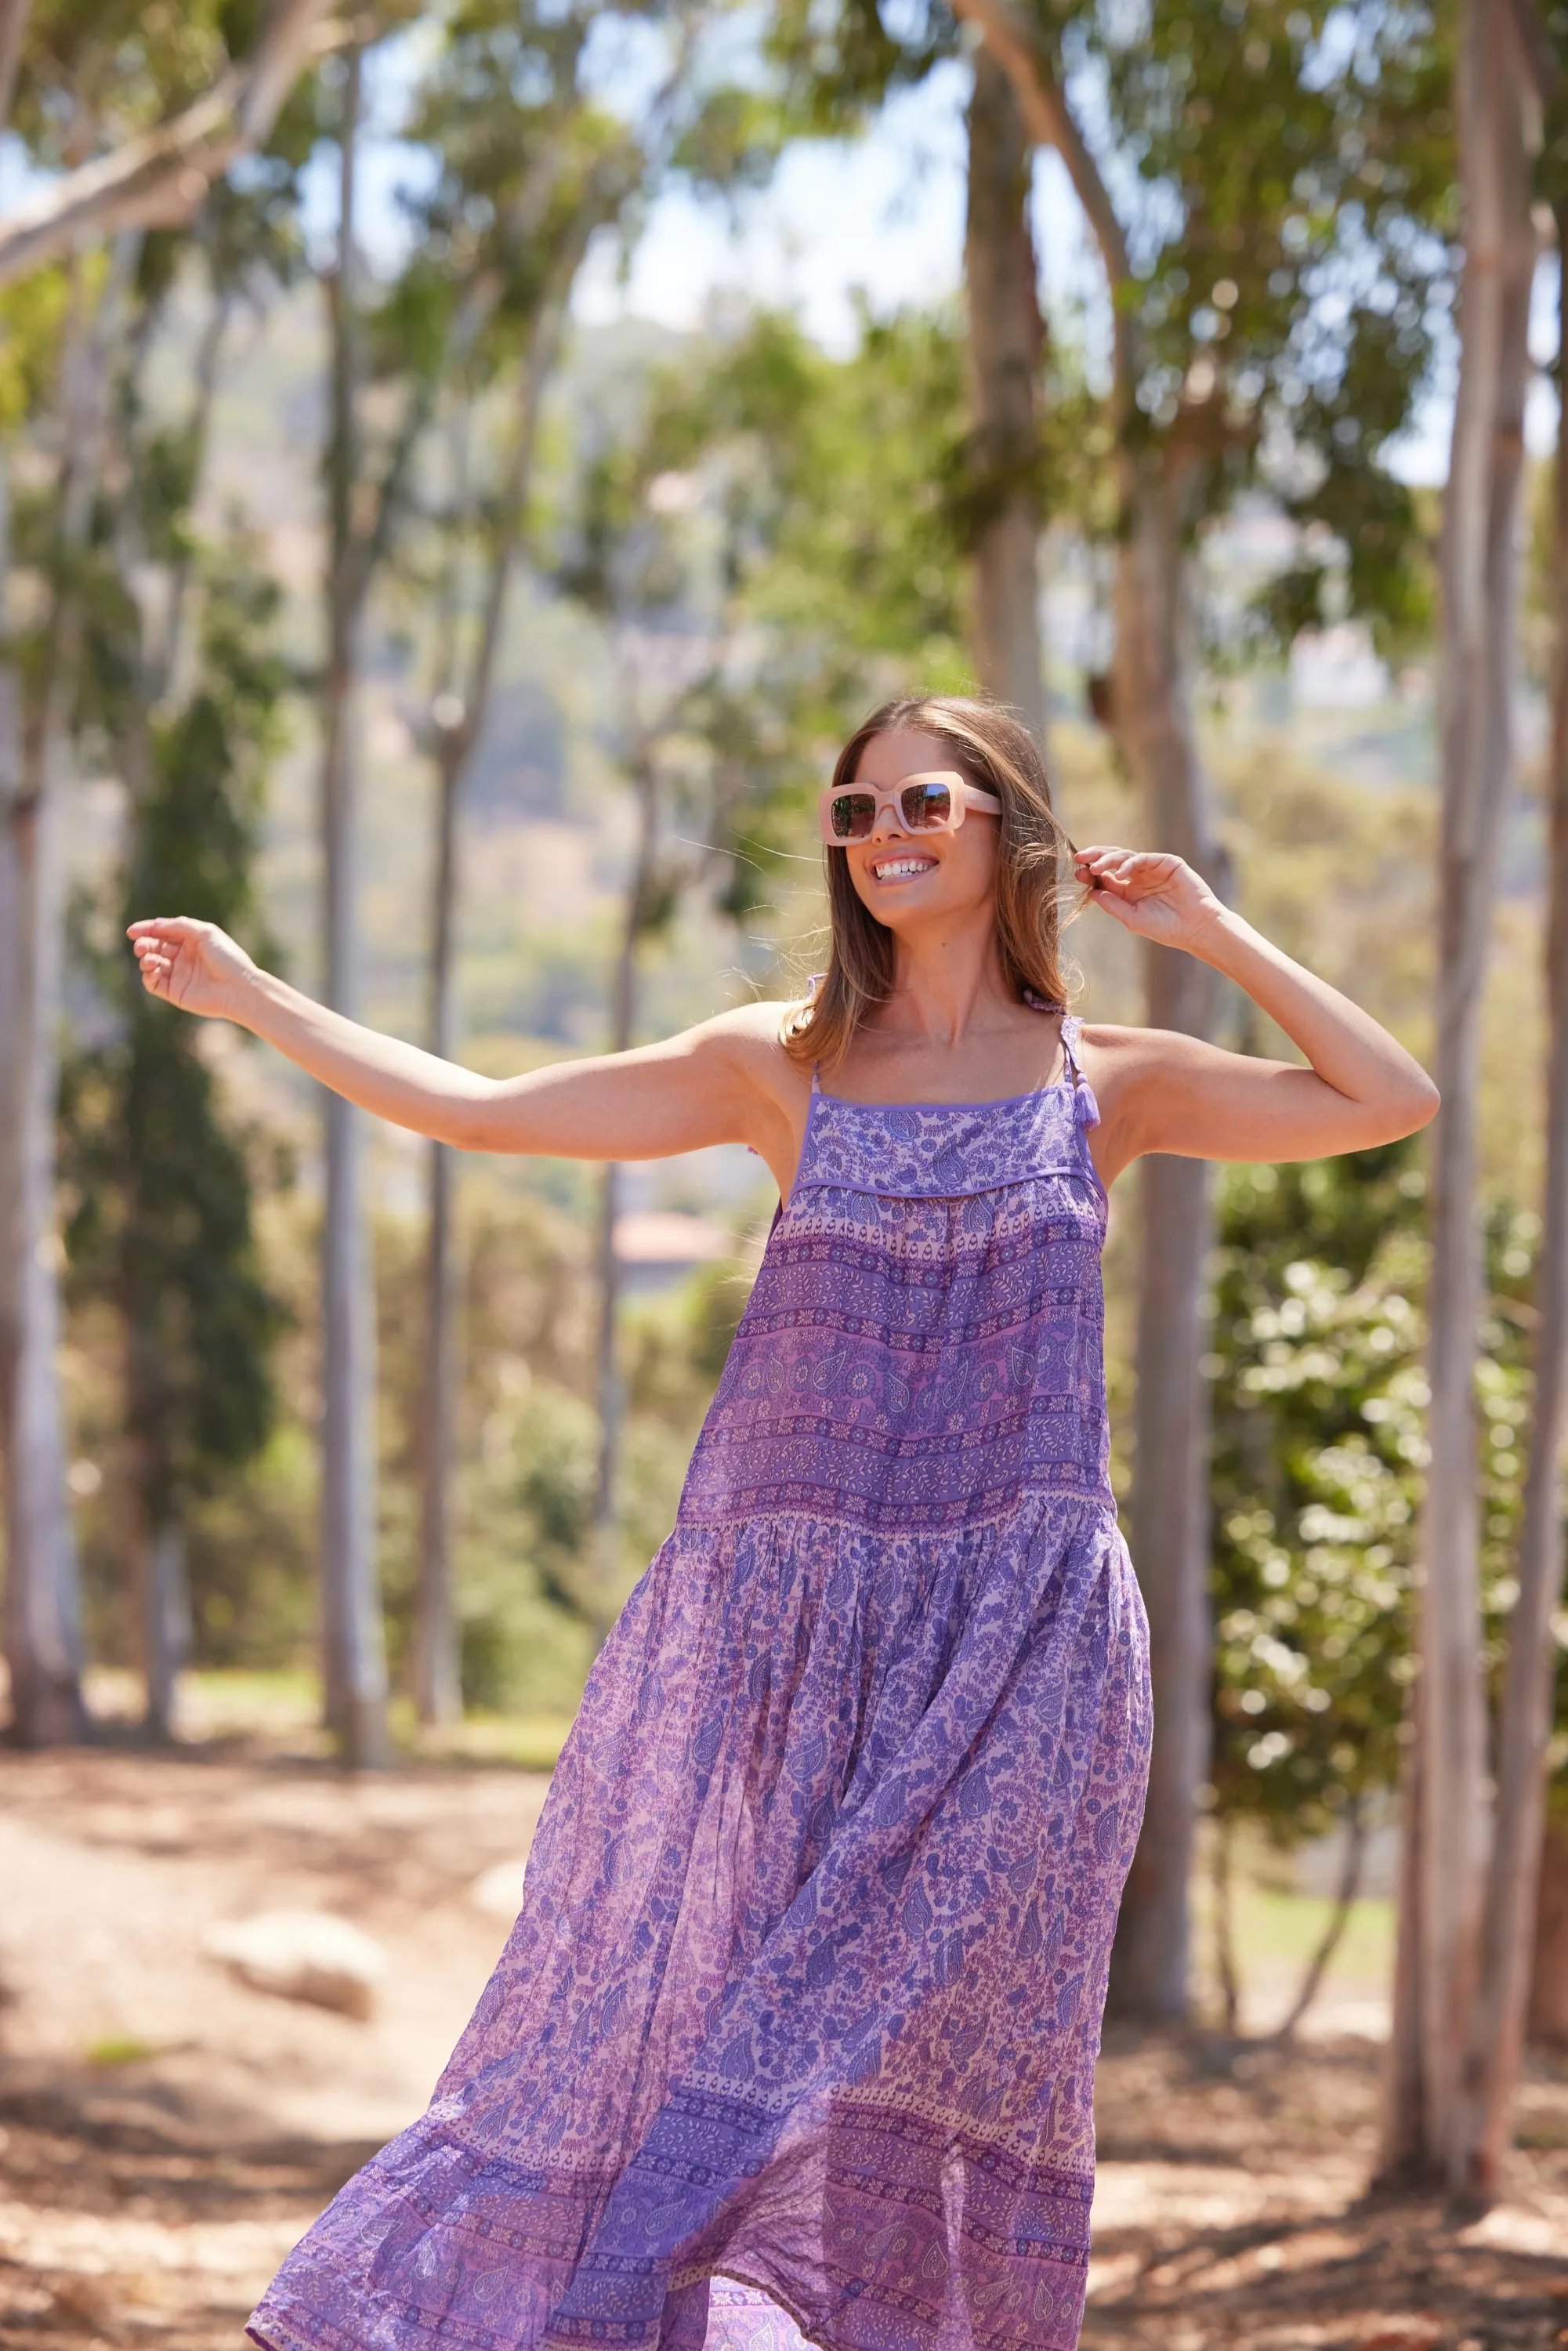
(879, 217)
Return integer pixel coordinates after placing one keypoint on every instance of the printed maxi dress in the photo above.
(796, 2033)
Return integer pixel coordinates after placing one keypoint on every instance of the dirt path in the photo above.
(166, 2133)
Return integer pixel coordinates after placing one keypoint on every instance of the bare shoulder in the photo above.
(1114, 1057)
(747, 1041)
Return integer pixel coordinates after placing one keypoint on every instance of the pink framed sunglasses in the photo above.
(935, 803)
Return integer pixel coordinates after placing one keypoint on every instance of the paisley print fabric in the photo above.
(796, 2033)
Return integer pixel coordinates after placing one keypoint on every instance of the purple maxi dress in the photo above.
(796, 2033)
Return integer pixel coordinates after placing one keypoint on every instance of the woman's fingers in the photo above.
(1134, 871)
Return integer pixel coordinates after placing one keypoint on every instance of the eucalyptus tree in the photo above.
(161, 1229)
(1264, 185)
(120, 169)
(42, 1607)
(1529, 60)
(842, 63)
(1440, 1913)
(627, 560)
(523, 185)
(86, 85)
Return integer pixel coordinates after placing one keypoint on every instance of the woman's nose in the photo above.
(887, 826)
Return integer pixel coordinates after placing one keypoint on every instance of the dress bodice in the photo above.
(916, 1151)
(925, 1341)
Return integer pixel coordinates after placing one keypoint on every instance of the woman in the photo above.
(798, 2026)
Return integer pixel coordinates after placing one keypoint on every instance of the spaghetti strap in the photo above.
(1071, 1027)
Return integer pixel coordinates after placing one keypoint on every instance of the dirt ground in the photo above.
(166, 2132)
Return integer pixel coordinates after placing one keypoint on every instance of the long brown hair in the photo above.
(995, 750)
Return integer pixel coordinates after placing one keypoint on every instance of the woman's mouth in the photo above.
(902, 869)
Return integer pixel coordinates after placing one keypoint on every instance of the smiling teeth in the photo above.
(904, 865)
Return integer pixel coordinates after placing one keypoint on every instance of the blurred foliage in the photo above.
(1319, 1446)
(162, 1223)
(766, 536)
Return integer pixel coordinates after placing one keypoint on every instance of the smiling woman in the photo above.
(796, 2033)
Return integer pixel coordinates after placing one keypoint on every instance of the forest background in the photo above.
(381, 584)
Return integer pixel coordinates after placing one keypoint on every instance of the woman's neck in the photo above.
(944, 987)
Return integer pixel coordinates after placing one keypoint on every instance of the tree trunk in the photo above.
(1005, 343)
(1153, 719)
(437, 1680)
(43, 1643)
(1426, 2140)
(623, 1027)
(437, 1687)
(1226, 1970)
(43, 1636)
(1524, 1718)
(163, 1607)
(42, 1601)
(164, 667)
(160, 177)
(14, 15)
(354, 1656)
(1548, 2016)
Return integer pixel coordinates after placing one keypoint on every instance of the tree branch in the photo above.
(160, 178)
(1535, 42)
(1024, 57)
(13, 24)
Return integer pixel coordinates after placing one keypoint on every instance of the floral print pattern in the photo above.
(796, 2033)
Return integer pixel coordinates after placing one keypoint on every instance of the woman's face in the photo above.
(910, 881)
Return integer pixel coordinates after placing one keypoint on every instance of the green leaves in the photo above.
(1317, 1455)
(163, 1227)
(1319, 1448)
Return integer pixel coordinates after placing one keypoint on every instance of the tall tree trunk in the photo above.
(156, 1563)
(622, 1028)
(43, 1637)
(1524, 1718)
(1005, 343)
(1226, 1973)
(42, 1601)
(354, 1656)
(43, 1644)
(156, 1543)
(159, 175)
(14, 15)
(1153, 721)
(437, 1686)
(1427, 2132)
(1547, 2019)
(1152, 715)
(163, 667)
(437, 1682)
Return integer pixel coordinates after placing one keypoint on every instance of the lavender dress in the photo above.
(796, 2033)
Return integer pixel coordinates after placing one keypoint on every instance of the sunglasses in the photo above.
(919, 804)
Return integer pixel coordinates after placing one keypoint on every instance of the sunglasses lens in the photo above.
(853, 815)
(926, 807)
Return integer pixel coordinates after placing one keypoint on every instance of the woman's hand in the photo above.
(1151, 892)
(193, 965)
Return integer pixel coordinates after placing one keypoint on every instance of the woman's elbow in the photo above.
(1415, 1106)
(478, 1120)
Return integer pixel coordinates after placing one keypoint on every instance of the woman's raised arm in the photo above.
(1162, 1092)
(725, 1082)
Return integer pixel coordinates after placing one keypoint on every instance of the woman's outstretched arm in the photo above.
(1164, 1092)
(725, 1082)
